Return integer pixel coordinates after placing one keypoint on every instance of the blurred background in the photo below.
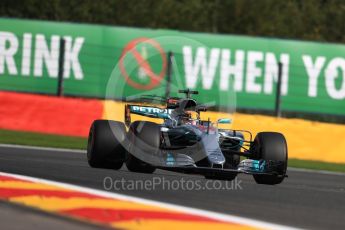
(279, 65)
(310, 20)
(317, 20)
(269, 65)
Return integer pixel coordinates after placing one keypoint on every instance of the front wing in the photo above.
(247, 166)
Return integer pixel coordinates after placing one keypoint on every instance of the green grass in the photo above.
(317, 165)
(42, 140)
(48, 140)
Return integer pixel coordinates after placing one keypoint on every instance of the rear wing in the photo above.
(147, 111)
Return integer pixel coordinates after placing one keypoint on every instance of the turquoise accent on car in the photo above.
(170, 159)
(224, 121)
(150, 111)
(259, 165)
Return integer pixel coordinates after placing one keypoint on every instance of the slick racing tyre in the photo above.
(271, 146)
(145, 137)
(104, 149)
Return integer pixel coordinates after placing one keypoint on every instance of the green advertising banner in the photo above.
(313, 74)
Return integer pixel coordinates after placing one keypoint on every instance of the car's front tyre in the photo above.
(271, 146)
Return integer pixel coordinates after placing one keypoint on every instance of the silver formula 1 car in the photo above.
(185, 143)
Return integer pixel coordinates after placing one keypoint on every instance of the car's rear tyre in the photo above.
(104, 149)
(144, 137)
(271, 146)
(134, 164)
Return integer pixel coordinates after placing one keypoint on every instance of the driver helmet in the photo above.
(186, 118)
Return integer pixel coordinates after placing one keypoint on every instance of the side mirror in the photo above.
(201, 108)
(224, 121)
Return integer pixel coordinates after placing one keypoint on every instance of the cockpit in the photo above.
(186, 112)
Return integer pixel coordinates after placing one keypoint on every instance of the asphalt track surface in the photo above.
(304, 199)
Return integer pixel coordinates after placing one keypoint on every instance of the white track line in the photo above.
(84, 151)
(204, 213)
(42, 148)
